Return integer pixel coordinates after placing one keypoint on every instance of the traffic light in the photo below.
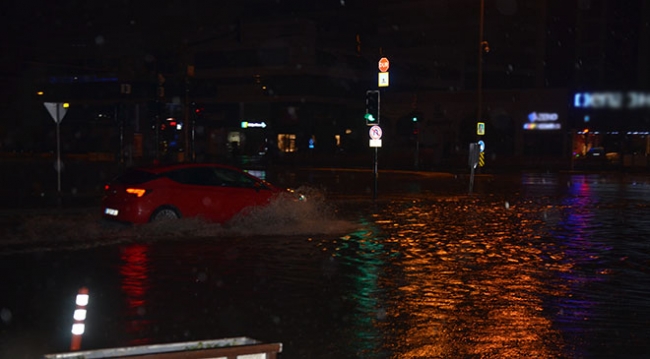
(372, 107)
(198, 112)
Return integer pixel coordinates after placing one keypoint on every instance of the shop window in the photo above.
(287, 142)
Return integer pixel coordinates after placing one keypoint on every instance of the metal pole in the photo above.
(58, 151)
(417, 152)
(193, 139)
(186, 122)
(375, 175)
(480, 63)
(471, 180)
(121, 128)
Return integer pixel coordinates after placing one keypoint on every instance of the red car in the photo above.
(211, 191)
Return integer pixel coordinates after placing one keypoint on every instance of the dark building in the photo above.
(202, 80)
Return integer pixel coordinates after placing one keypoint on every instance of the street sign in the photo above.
(375, 132)
(382, 79)
(481, 145)
(383, 64)
(375, 143)
(57, 110)
(246, 124)
(480, 128)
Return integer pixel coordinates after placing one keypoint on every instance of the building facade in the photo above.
(288, 82)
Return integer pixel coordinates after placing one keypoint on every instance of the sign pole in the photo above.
(58, 152)
(473, 161)
(57, 111)
(375, 174)
(375, 141)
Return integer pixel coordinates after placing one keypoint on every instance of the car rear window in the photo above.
(134, 176)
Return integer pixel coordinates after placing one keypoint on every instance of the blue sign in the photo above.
(481, 145)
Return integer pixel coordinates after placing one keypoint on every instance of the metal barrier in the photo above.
(229, 348)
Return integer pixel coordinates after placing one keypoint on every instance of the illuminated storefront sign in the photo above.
(631, 100)
(542, 121)
(246, 124)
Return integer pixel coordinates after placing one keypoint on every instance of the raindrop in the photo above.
(99, 40)
(507, 205)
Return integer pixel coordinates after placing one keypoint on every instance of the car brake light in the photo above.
(139, 192)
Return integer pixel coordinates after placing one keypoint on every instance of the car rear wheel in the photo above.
(164, 214)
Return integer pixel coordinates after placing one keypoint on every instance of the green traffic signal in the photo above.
(372, 107)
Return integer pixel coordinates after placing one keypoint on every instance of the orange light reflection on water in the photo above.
(472, 289)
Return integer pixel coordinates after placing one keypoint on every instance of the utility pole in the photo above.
(481, 47)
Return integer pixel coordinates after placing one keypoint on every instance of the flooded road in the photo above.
(526, 266)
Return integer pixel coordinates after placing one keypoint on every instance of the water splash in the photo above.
(285, 215)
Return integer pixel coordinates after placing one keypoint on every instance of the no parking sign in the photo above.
(375, 136)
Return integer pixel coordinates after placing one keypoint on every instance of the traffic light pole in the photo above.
(375, 175)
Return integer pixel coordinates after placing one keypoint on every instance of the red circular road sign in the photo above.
(383, 64)
(375, 132)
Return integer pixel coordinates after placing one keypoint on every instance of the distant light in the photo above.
(66, 105)
(348, 131)
(40, 93)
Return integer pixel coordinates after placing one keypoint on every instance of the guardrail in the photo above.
(228, 348)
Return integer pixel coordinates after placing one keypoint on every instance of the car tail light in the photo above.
(138, 192)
